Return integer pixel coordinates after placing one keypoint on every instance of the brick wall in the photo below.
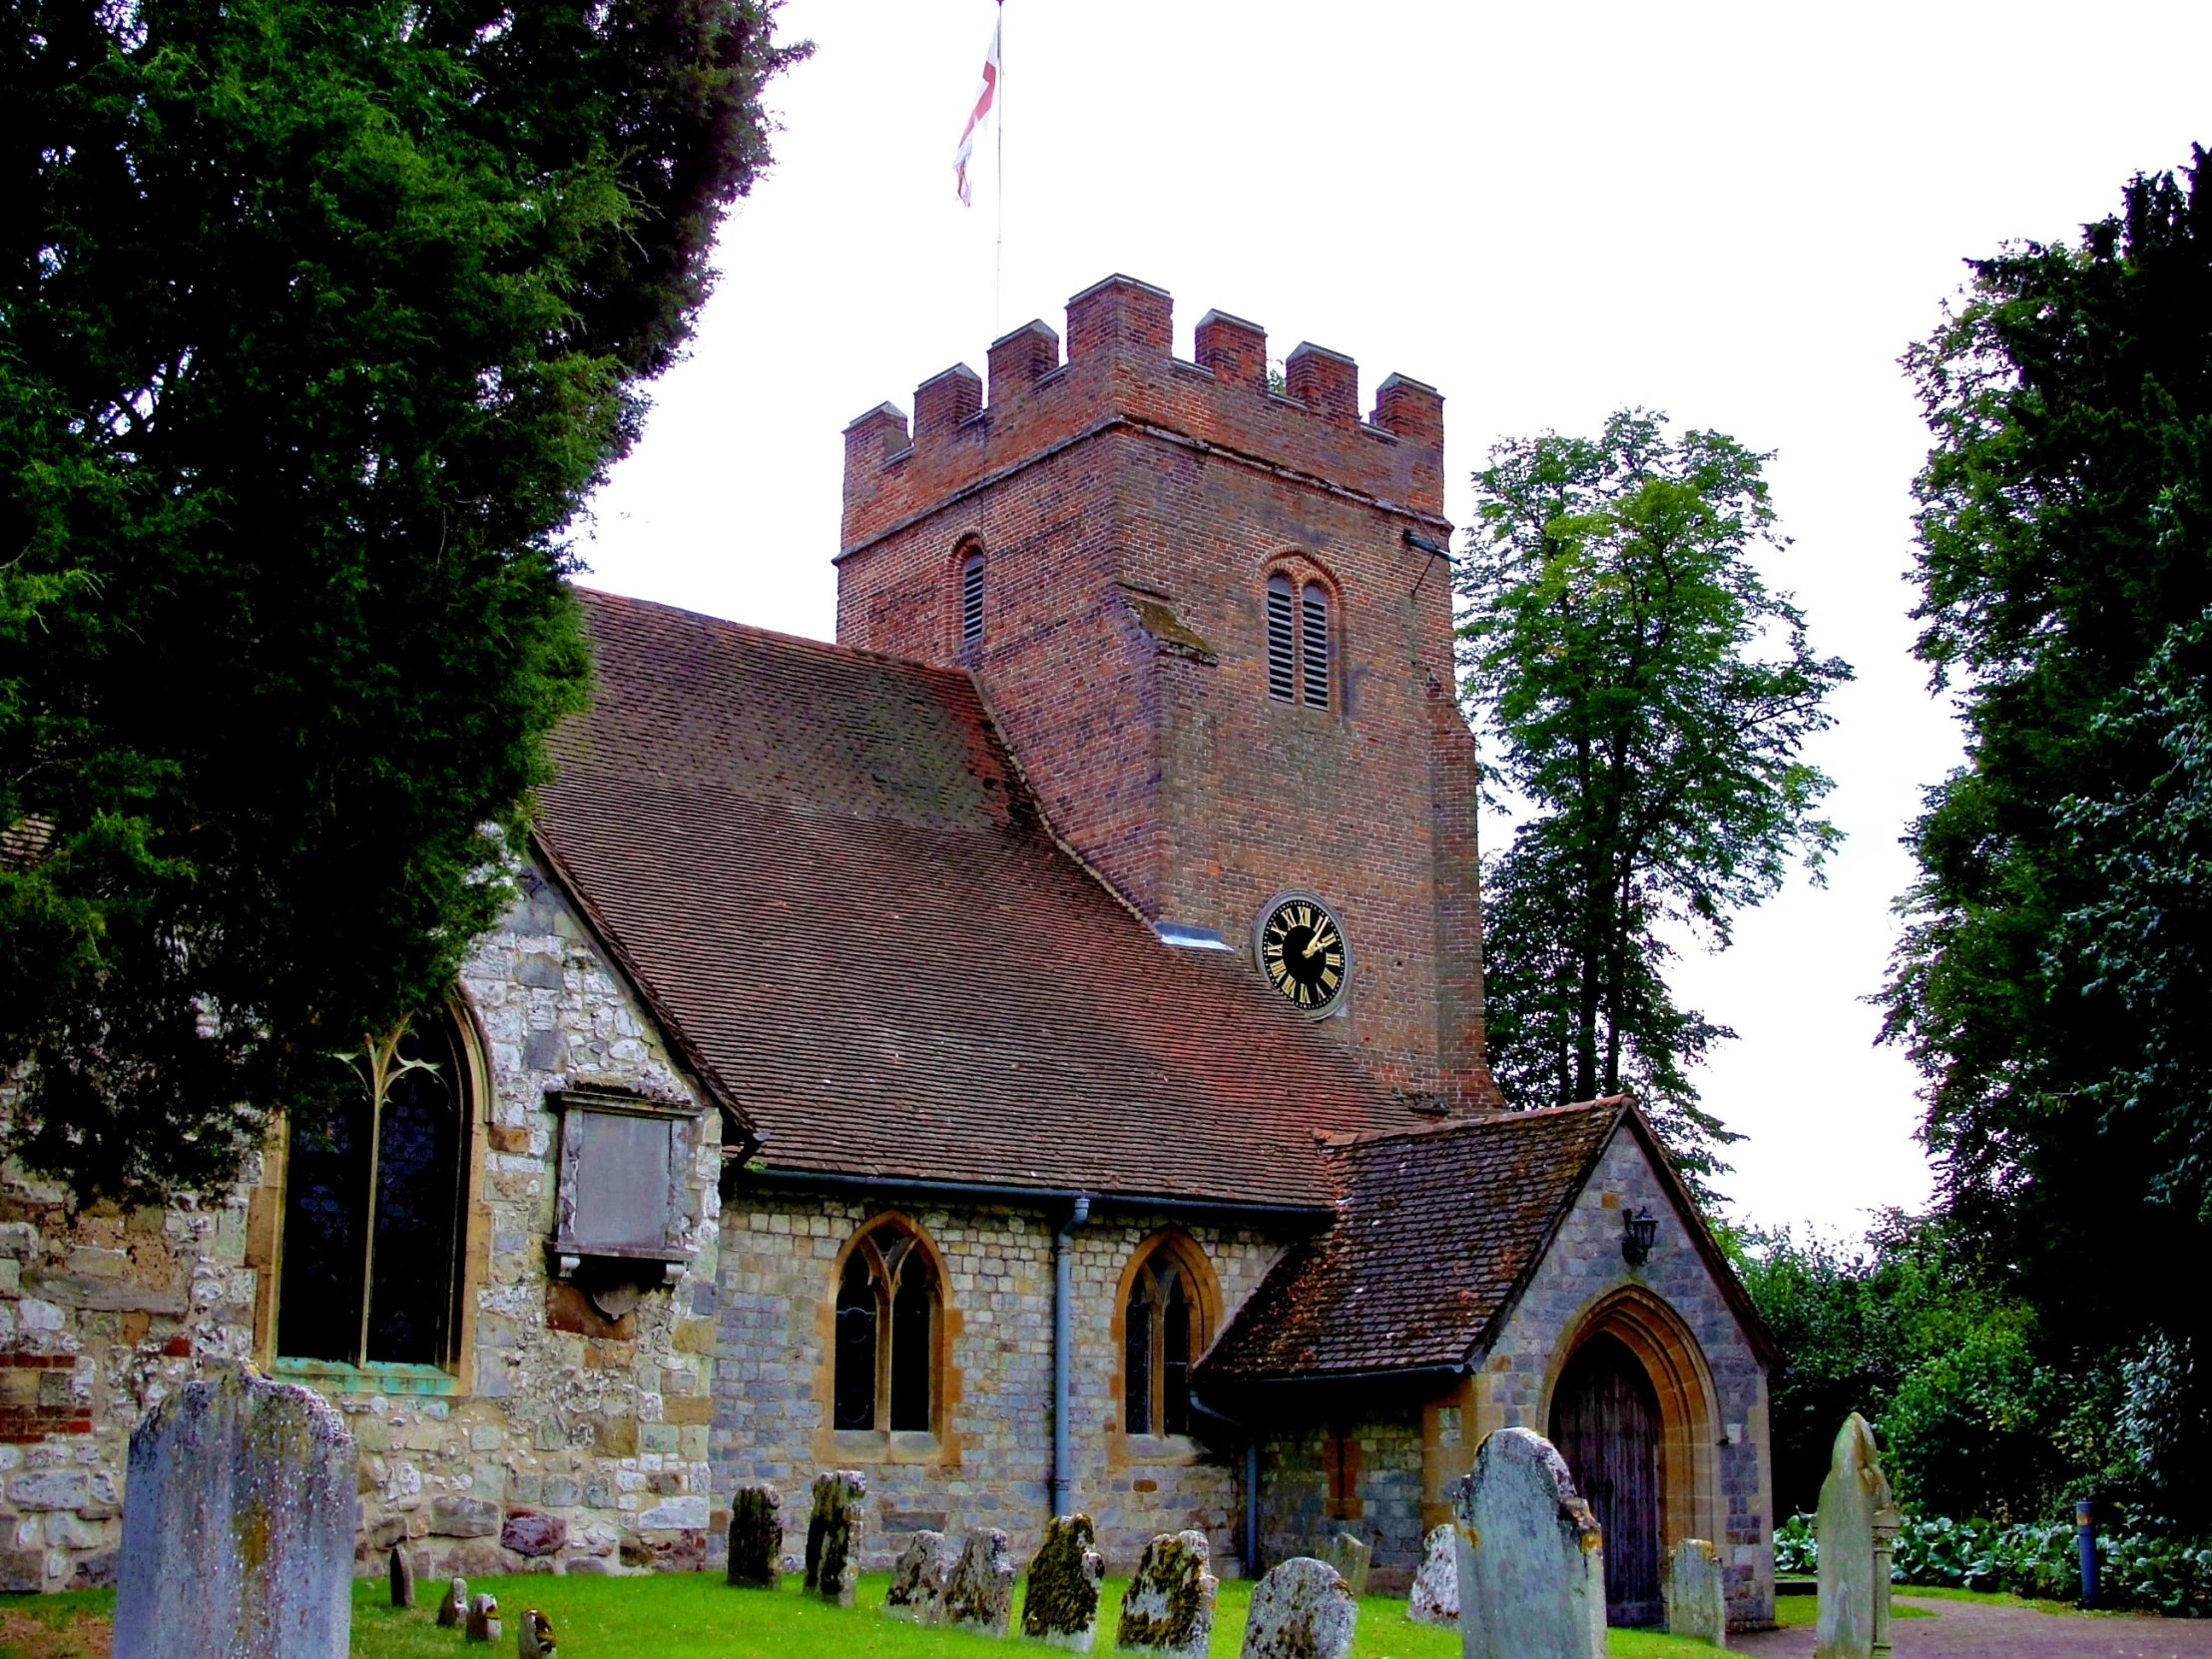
(1131, 507)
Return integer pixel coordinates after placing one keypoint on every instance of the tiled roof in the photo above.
(826, 875)
(1434, 1233)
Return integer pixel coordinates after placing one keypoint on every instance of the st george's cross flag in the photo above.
(987, 95)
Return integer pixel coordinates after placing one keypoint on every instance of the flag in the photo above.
(987, 95)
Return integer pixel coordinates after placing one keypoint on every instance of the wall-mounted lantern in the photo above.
(1639, 1229)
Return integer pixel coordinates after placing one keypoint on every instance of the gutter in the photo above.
(1063, 1339)
(1001, 1191)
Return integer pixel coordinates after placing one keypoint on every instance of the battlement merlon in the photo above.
(1120, 369)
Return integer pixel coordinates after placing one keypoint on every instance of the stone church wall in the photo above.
(599, 1424)
(1379, 1497)
(991, 1465)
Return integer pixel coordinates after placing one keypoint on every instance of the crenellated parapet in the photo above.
(1121, 369)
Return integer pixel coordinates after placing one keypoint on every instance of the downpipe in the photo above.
(1063, 1323)
(1251, 1438)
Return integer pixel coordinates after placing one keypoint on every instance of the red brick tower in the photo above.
(1108, 543)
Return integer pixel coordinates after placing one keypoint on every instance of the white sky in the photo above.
(1738, 214)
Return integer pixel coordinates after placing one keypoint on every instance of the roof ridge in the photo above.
(780, 636)
(1353, 1140)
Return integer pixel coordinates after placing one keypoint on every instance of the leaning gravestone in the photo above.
(1169, 1606)
(1350, 1554)
(979, 1596)
(1435, 1598)
(755, 1538)
(403, 1577)
(834, 1536)
(918, 1578)
(1301, 1609)
(1855, 1524)
(453, 1607)
(1531, 1558)
(1060, 1606)
(238, 1525)
(1697, 1598)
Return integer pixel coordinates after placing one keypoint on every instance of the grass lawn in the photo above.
(696, 1616)
(1989, 1599)
(1806, 1609)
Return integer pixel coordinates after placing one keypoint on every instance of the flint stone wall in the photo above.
(1385, 1510)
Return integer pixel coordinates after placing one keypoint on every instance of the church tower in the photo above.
(1212, 621)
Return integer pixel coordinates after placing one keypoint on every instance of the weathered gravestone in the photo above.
(979, 1596)
(1060, 1608)
(1350, 1554)
(1697, 1596)
(918, 1578)
(483, 1618)
(1531, 1558)
(403, 1577)
(238, 1525)
(453, 1608)
(1169, 1606)
(1856, 1525)
(1301, 1609)
(1435, 1598)
(535, 1639)
(834, 1536)
(756, 1539)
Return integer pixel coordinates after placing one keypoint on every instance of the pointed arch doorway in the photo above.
(1605, 1420)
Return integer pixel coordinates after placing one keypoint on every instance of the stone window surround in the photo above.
(265, 1229)
(1203, 1287)
(941, 1446)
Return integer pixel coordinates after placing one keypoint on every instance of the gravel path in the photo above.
(1978, 1630)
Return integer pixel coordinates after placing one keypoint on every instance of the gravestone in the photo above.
(1855, 1524)
(453, 1608)
(1301, 1609)
(755, 1538)
(1060, 1606)
(535, 1639)
(1350, 1554)
(1436, 1597)
(1531, 1556)
(238, 1525)
(979, 1596)
(483, 1618)
(403, 1578)
(1169, 1606)
(918, 1578)
(834, 1536)
(1697, 1596)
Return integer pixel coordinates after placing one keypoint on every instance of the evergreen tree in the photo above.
(319, 319)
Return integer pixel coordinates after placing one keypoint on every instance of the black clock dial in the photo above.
(1301, 951)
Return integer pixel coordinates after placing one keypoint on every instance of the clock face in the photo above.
(1302, 952)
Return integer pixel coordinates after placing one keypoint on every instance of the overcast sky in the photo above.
(1739, 214)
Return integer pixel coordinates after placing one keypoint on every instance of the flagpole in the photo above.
(998, 254)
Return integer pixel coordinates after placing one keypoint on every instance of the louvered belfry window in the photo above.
(1282, 641)
(972, 601)
(1314, 667)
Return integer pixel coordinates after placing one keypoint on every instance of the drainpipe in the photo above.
(1063, 1295)
(1250, 1434)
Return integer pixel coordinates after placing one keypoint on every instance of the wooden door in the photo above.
(1605, 1423)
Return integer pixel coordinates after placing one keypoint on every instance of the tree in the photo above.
(2051, 984)
(318, 322)
(1648, 697)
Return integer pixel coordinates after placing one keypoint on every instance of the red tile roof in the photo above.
(826, 875)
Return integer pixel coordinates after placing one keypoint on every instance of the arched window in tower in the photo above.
(1282, 641)
(1164, 1323)
(1313, 646)
(972, 600)
(375, 1212)
(889, 1311)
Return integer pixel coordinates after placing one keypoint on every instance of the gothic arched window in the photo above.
(889, 1310)
(375, 1212)
(1164, 1320)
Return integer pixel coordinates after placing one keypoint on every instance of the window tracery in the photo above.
(889, 1309)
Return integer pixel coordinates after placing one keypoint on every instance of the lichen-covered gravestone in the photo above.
(1531, 1558)
(1301, 1609)
(453, 1605)
(756, 1539)
(238, 1525)
(918, 1578)
(534, 1640)
(483, 1618)
(1436, 1597)
(403, 1577)
(1854, 1525)
(1350, 1554)
(1060, 1606)
(979, 1596)
(1169, 1606)
(1697, 1596)
(834, 1536)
